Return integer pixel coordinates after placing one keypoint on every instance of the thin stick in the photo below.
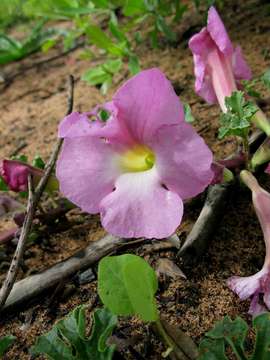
(33, 201)
(9, 79)
(38, 284)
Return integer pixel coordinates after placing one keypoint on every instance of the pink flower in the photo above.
(136, 168)
(15, 174)
(217, 65)
(256, 287)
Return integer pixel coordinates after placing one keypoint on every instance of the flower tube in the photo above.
(218, 66)
(15, 174)
(256, 287)
(138, 166)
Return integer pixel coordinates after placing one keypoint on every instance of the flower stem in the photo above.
(249, 180)
(165, 338)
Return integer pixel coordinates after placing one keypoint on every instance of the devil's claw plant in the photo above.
(5, 343)
(232, 334)
(68, 341)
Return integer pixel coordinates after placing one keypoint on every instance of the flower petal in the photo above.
(15, 174)
(267, 170)
(218, 32)
(183, 160)
(203, 83)
(86, 171)
(255, 307)
(141, 207)
(247, 286)
(201, 45)
(146, 102)
(74, 125)
(240, 67)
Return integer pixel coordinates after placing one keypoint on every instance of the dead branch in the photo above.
(33, 200)
(8, 79)
(211, 213)
(204, 227)
(33, 286)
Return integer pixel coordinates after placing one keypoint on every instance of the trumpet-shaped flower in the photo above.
(15, 174)
(256, 287)
(137, 166)
(218, 66)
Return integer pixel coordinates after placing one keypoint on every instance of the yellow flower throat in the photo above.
(139, 158)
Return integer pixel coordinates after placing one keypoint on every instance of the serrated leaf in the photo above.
(127, 285)
(237, 119)
(67, 339)
(212, 349)
(5, 342)
(234, 333)
(249, 86)
(262, 346)
(266, 78)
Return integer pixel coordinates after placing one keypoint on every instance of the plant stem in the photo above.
(246, 150)
(165, 338)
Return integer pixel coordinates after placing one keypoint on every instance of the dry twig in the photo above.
(211, 213)
(33, 200)
(34, 285)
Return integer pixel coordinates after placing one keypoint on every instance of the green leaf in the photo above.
(127, 285)
(3, 185)
(95, 76)
(103, 74)
(133, 64)
(20, 157)
(212, 349)
(266, 78)
(38, 162)
(100, 39)
(189, 118)
(262, 346)
(164, 28)
(115, 29)
(67, 340)
(5, 342)
(11, 49)
(106, 85)
(112, 66)
(134, 7)
(50, 43)
(233, 332)
(249, 87)
(237, 119)
(56, 9)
